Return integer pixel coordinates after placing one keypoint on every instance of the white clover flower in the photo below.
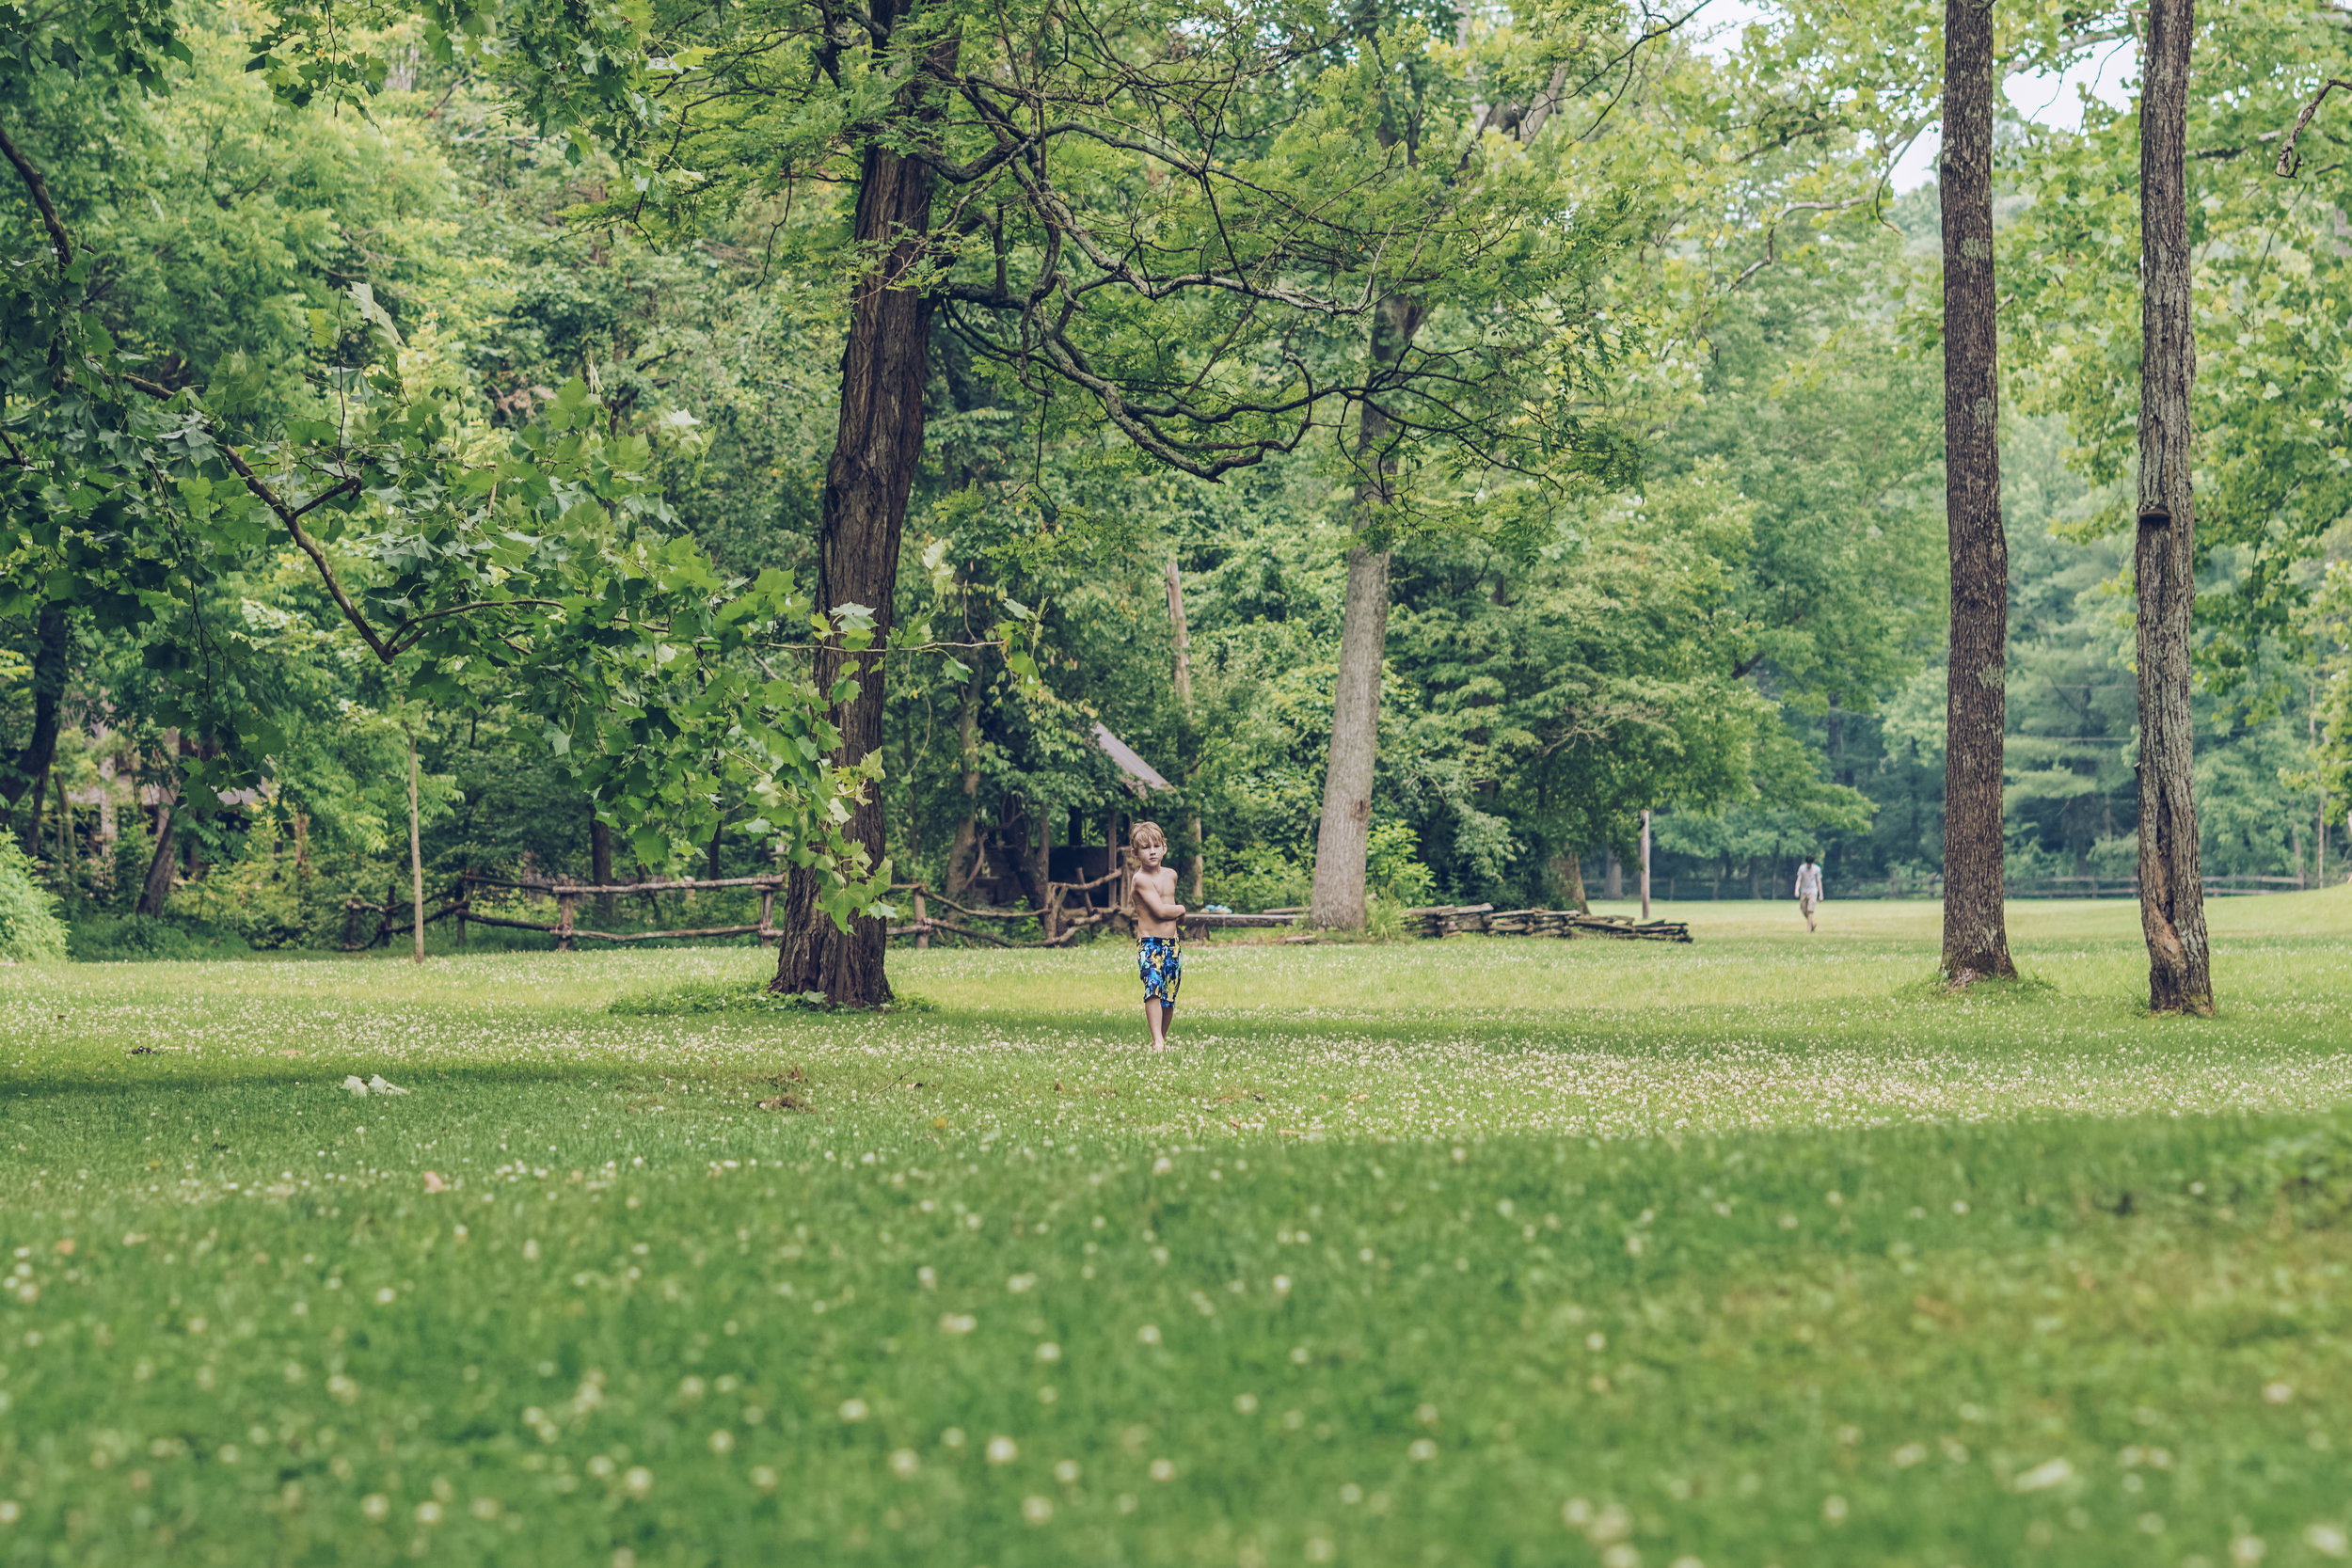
(639, 1481)
(853, 1410)
(1149, 1334)
(1036, 1510)
(904, 1463)
(1003, 1451)
(375, 1508)
(1162, 1469)
(1049, 1352)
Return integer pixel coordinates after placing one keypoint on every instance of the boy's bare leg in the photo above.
(1157, 1020)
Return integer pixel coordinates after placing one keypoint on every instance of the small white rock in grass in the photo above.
(377, 1083)
(2054, 1472)
(354, 1086)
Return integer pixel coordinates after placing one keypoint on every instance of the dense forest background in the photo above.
(1742, 631)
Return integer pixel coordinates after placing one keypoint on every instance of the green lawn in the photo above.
(1750, 1252)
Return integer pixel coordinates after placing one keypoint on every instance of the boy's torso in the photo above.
(1162, 884)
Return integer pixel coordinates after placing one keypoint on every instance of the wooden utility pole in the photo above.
(1976, 930)
(2172, 884)
(1184, 703)
(1646, 863)
(416, 853)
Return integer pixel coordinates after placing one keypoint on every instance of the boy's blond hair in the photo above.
(1140, 834)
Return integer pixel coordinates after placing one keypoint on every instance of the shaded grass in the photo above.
(1472, 1252)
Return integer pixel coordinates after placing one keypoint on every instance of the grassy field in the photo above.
(1752, 1252)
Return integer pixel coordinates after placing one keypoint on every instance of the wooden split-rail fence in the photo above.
(1062, 919)
(458, 903)
(1448, 920)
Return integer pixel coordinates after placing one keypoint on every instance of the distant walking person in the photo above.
(1809, 890)
(1151, 899)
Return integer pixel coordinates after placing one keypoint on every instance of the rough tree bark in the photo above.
(53, 649)
(2172, 884)
(879, 443)
(1345, 830)
(1975, 932)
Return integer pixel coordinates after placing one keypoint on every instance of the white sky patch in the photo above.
(2045, 98)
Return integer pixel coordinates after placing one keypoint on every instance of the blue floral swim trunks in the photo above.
(1162, 966)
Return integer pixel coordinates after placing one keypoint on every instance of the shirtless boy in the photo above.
(1153, 902)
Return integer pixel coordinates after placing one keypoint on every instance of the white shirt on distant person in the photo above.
(1809, 881)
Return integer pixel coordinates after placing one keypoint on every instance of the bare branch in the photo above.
(2289, 161)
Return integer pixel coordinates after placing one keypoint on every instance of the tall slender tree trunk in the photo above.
(416, 859)
(879, 443)
(964, 857)
(1344, 833)
(1184, 704)
(601, 865)
(52, 651)
(1975, 932)
(157, 891)
(2172, 884)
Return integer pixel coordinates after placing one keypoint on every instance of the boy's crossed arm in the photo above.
(1158, 905)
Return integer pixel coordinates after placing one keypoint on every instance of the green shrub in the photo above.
(1393, 868)
(1259, 878)
(144, 939)
(31, 931)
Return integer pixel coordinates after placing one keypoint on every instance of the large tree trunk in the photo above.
(53, 649)
(1345, 831)
(1567, 871)
(2171, 885)
(884, 367)
(1975, 932)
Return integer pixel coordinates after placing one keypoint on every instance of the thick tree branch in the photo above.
(39, 189)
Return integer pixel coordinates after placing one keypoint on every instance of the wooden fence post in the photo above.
(464, 905)
(767, 913)
(563, 921)
(922, 921)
